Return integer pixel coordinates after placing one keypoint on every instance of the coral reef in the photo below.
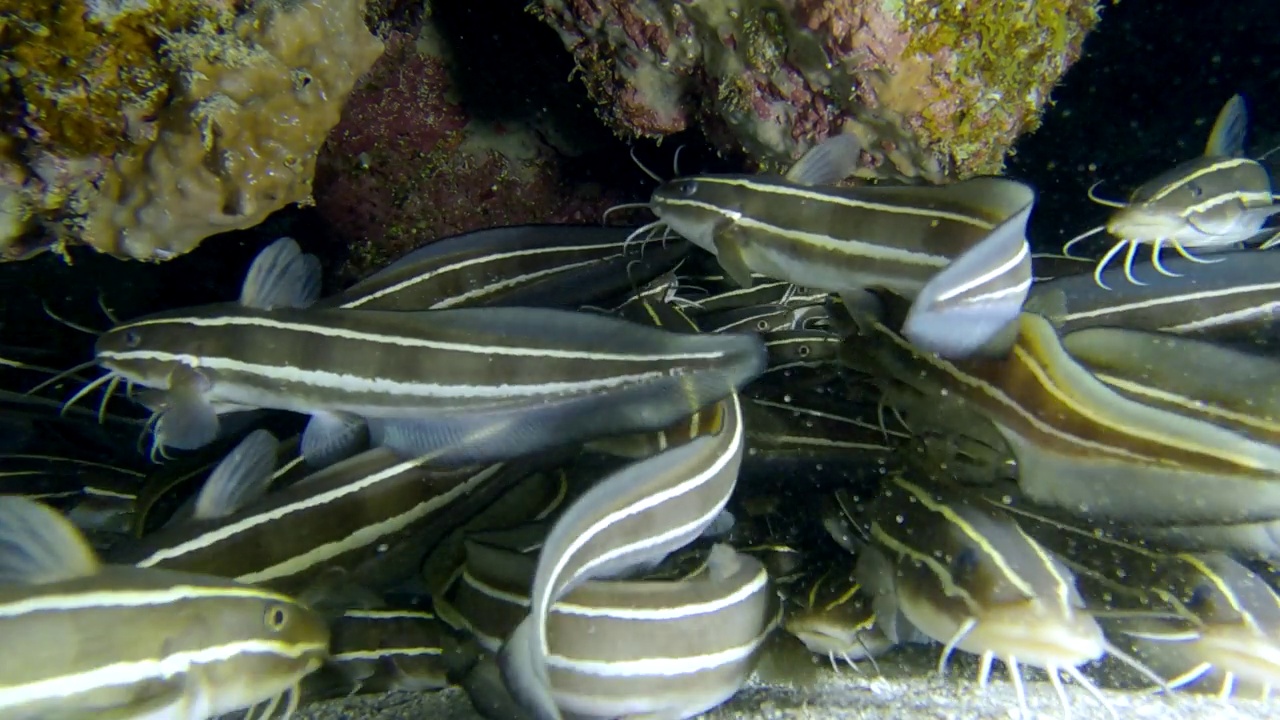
(433, 145)
(932, 87)
(141, 128)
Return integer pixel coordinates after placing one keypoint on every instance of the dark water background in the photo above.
(1143, 98)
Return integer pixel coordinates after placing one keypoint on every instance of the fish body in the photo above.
(629, 520)
(1084, 447)
(1186, 375)
(390, 649)
(409, 370)
(1211, 202)
(622, 648)
(837, 619)
(372, 515)
(83, 640)
(509, 381)
(963, 573)
(1201, 620)
(1234, 298)
(958, 250)
(539, 265)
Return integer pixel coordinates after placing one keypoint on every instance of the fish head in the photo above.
(1148, 222)
(148, 351)
(970, 577)
(1204, 202)
(694, 207)
(291, 641)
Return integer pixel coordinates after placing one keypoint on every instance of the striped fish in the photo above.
(373, 515)
(836, 619)
(1084, 447)
(540, 265)
(389, 649)
(1235, 298)
(1246, 539)
(803, 427)
(630, 519)
(1212, 202)
(815, 351)
(670, 648)
(1223, 386)
(83, 640)
(97, 497)
(533, 498)
(963, 573)
(511, 381)
(1200, 620)
(959, 251)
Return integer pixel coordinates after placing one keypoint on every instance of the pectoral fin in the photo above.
(38, 545)
(333, 437)
(729, 253)
(187, 420)
(241, 479)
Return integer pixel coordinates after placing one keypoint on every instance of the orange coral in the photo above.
(87, 73)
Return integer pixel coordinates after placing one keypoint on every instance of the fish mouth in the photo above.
(1138, 225)
(823, 639)
(1040, 643)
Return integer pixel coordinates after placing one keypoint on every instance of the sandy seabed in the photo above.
(907, 687)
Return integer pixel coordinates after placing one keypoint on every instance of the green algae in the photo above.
(1006, 57)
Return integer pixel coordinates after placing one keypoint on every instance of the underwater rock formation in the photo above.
(142, 127)
(415, 158)
(932, 87)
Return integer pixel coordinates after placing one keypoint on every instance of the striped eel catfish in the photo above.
(803, 427)
(373, 515)
(1191, 618)
(812, 350)
(1220, 385)
(1236, 298)
(963, 573)
(622, 648)
(1214, 201)
(959, 250)
(755, 318)
(541, 265)
(1084, 447)
(84, 640)
(96, 496)
(513, 381)
(387, 649)
(1186, 376)
(628, 520)
(533, 498)
(836, 619)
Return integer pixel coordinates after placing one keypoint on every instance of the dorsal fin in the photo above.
(1227, 137)
(38, 545)
(828, 162)
(281, 277)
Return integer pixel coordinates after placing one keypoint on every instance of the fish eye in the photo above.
(276, 618)
(132, 338)
(688, 188)
(803, 351)
(1195, 189)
